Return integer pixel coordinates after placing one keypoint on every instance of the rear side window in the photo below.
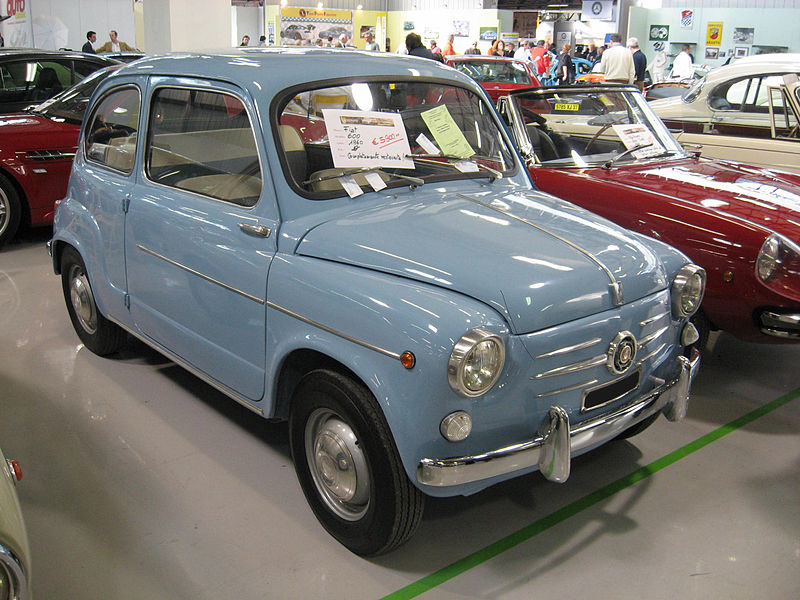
(203, 142)
(33, 81)
(112, 129)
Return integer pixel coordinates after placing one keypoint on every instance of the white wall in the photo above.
(178, 25)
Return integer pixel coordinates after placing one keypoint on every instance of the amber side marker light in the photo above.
(408, 360)
(727, 277)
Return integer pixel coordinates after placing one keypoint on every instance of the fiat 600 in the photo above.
(350, 242)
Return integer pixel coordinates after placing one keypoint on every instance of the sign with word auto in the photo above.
(360, 138)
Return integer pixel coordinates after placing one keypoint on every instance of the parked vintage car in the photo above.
(498, 75)
(604, 149)
(36, 150)
(30, 76)
(428, 322)
(739, 112)
(15, 554)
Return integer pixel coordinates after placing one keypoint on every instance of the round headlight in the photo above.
(768, 258)
(476, 362)
(687, 291)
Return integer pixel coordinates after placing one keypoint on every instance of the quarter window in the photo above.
(203, 142)
(113, 129)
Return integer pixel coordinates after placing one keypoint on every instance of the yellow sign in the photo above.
(714, 33)
(316, 14)
(564, 106)
(446, 133)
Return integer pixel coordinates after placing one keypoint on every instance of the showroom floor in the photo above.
(142, 482)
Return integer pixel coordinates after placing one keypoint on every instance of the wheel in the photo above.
(10, 210)
(638, 428)
(703, 325)
(97, 333)
(348, 465)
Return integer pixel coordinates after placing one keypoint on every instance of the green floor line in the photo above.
(479, 557)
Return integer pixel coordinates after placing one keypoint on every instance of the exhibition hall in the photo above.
(399, 298)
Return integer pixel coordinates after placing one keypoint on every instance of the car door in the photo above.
(200, 233)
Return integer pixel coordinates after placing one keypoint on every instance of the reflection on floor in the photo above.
(143, 482)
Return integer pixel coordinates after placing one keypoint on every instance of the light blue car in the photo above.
(349, 241)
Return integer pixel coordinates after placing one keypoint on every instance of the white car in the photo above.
(14, 549)
(745, 111)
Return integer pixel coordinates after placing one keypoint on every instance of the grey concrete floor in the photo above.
(140, 481)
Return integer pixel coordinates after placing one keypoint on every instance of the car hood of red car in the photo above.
(766, 198)
(26, 131)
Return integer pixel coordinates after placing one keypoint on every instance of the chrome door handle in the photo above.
(257, 230)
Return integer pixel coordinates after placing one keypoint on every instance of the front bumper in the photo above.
(555, 442)
(780, 324)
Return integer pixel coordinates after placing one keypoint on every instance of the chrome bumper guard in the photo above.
(783, 325)
(552, 448)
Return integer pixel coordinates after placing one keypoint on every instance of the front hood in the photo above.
(537, 260)
(763, 197)
(23, 132)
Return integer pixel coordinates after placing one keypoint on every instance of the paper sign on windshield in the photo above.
(360, 138)
(446, 133)
(639, 136)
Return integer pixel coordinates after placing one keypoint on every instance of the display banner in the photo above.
(597, 10)
(18, 28)
(714, 33)
(304, 26)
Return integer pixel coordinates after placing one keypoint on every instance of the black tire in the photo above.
(348, 466)
(638, 428)
(10, 210)
(97, 333)
(703, 325)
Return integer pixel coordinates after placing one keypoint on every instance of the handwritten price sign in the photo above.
(360, 138)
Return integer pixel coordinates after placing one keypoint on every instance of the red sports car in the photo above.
(496, 74)
(602, 147)
(36, 151)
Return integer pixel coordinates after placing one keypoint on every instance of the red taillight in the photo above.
(16, 470)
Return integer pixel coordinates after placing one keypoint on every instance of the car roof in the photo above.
(755, 65)
(275, 69)
(39, 52)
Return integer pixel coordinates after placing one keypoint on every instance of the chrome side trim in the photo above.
(656, 334)
(193, 370)
(330, 330)
(650, 355)
(574, 367)
(671, 397)
(652, 320)
(566, 349)
(615, 288)
(201, 275)
(571, 388)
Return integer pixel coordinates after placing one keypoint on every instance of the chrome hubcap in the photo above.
(80, 294)
(3, 211)
(337, 464)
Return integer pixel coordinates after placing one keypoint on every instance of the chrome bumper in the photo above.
(783, 325)
(555, 441)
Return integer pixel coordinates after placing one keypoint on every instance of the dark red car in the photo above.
(36, 151)
(496, 74)
(602, 147)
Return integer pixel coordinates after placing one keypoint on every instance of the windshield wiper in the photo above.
(415, 181)
(610, 163)
(429, 159)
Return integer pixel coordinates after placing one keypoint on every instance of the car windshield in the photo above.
(70, 104)
(576, 127)
(494, 71)
(365, 136)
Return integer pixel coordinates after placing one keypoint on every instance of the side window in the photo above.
(203, 142)
(784, 122)
(729, 97)
(761, 98)
(33, 81)
(112, 129)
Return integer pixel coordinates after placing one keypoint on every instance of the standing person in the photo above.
(388, 45)
(591, 53)
(448, 47)
(498, 48)
(371, 45)
(683, 68)
(344, 41)
(91, 38)
(541, 58)
(262, 41)
(659, 65)
(473, 49)
(617, 62)
(639, 63)
(434, 48)
(524, 51)
(115, 45)
(565, 70)
(245, 40)
(416, 48)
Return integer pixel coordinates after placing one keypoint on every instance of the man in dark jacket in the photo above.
(91, 38)
(416, 48)
(639, 63)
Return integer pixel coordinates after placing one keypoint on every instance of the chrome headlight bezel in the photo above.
(461, 359)
(687, 291)
(775, 251)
